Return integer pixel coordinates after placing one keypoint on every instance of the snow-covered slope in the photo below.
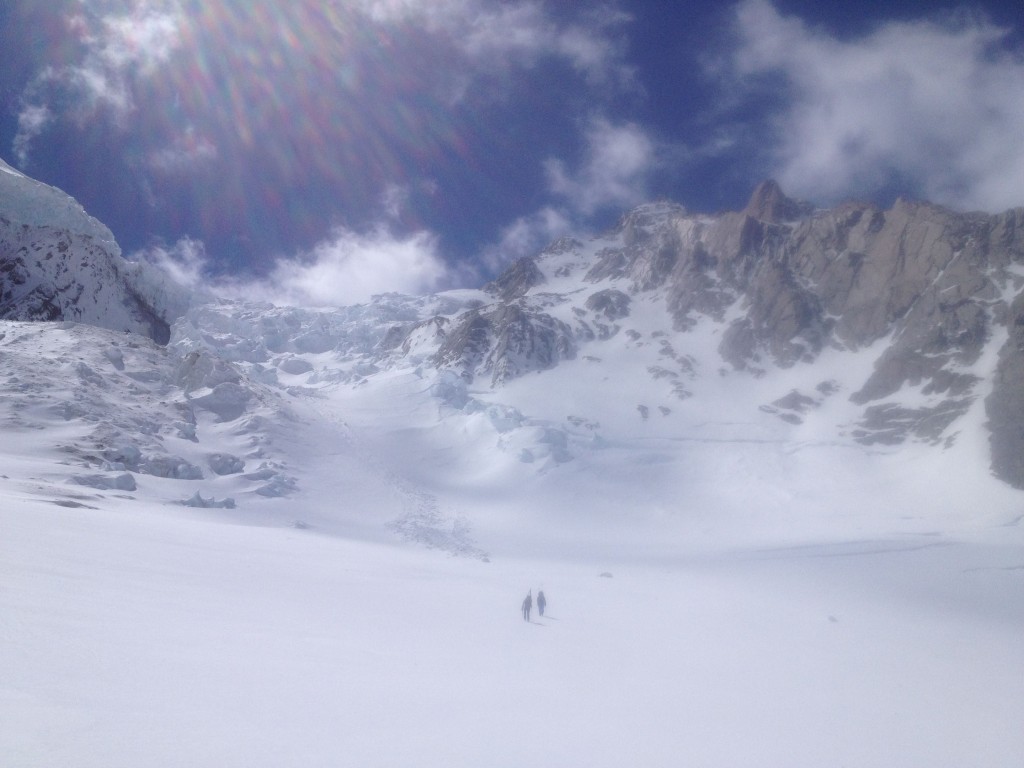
(727, 593)
(301, 536)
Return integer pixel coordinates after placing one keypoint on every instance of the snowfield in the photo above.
(136, 636)
(723, 590)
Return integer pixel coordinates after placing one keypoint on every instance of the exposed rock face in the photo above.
(788, 282)
(505, 342)
(649, 251)
(1005, 405)
(53, 274)
(516, 280)
(610, 303)
(768, 203)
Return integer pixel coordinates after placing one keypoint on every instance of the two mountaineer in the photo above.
(528, 604)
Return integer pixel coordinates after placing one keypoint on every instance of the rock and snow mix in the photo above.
(301, 536)
(59, 263)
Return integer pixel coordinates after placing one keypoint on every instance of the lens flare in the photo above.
(315, 108)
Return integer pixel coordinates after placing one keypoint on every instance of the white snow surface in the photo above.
(724, 588)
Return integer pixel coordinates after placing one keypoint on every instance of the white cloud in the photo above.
(184, 262)
(617, 162)
(95, 87)
(32, 120)
(188, 150)
(936, 104)
(394, 200)
(500, 34)
(527, 236)
(349, 268)
(136, 41)
(144, 38)
(614, 173)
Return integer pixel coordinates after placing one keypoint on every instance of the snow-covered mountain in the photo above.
(788, 439)
(853, 325)
(59, 263)
(879, 335)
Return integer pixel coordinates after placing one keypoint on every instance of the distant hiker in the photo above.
(527, 605)
(541, 602)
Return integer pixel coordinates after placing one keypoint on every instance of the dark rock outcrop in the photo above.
(515, 281)
(768, 203)
(504, 342)
(610, 303)
(1005, 404)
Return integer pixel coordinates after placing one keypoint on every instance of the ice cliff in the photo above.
(59, 263)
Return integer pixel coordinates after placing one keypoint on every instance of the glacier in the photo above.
(288, 535)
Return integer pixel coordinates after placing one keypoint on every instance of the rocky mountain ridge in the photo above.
(891, 325)
(941, 290)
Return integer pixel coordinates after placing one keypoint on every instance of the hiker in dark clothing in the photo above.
(541, 602)
(527, 605)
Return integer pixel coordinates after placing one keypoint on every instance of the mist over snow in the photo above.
(763, 466)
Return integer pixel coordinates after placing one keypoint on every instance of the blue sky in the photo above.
(319, 152)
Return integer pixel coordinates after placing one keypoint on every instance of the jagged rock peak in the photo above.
(650, 214)
(562, 245)
(769, 203)
(522, 275)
